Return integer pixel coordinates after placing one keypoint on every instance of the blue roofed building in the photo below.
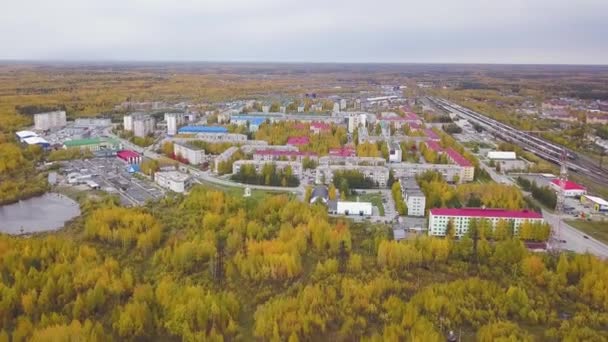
(253, 121)
(202, 129)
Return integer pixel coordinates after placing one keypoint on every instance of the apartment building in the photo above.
(269, 155)
(395, 155)
(194, 155)
(296, 167)
(454, 157)
(50, 120)
(174, 121)
(449, 172)
(378, 174)
(223, 157)
(351, 160)
(356, 120)
(221, 137)
(413, 197)
(461, 217)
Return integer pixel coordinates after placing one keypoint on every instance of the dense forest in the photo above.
(214, 267)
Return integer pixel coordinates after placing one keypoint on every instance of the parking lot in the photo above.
(113, 176)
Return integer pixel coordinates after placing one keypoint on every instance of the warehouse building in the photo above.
(596, 203)
(502, 155)
(93, 144)
(460, 217)
(350, 208)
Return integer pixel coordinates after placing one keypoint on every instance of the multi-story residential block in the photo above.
(296, 167)
(269, 155)
(394, 152)
(174, 121)
(377, 174)
(413, 197)
(439, 218)
(50, 120)
(356, 120)
(454, 157)
(342, 152)
(141, 125)
(348, 160)
(92, 122)
(221, 137)
(449, 172)
(223, 157)
(127, 123)
(194, 155)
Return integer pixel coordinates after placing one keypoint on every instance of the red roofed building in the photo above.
(265, 155)
(318, 127)
(342, 152)
(431, 134)
(298, 141)
(409, 116)
(414, 126)
(461, 217)
(454, 157)
(129, 156)
(434, 145)
(571, 189)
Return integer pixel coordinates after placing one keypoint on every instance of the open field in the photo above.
(596, 229)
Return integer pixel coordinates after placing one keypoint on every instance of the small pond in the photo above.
(43, 213)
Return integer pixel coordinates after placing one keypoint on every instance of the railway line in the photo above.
(547, 150)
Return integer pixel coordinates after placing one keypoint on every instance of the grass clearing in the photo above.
(596, 229)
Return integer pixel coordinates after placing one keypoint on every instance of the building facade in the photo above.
(173, 180)
(50, 120)
(223, 157)
(451, 173)
(143, 125)
(377, 174)
(296, 167)
(194, 155)
(174, 121)
(394, 152)
(461, 217)
(413, 197)
(270, 155)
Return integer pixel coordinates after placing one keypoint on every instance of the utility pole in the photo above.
(561, 199)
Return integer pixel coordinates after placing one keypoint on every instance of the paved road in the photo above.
(574, 238)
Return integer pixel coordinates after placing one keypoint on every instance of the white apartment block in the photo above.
(449, 172)
(143, 126)
(174, 121)
(173, 180)
(84, 122)
(223, 157)
(193, 155)
(414, 197)
(378, 174)
(461, 217)
(352, 161)
(46, 121)
(355, 120)
(296, 167)
(127, 123)
(221, 137)
(394, 152)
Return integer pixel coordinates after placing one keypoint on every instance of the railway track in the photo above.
(550, 151)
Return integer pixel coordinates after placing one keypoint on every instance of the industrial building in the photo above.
(296, 167)
(460, 217)
(173, 180)
(37, 141)
(194, 155)
(129, 156)
(25, 134)
(50, 120)
(502, 155)
(572, 189)
(202, 129)
(92, 122)
(93, 144)
(253, 122)
(597, 204)
(413, 197)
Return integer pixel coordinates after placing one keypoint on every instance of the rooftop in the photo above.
(431, 134)
(203, 129)
(173, 175)
(284, 153)
(127, 154)
(570, 185)
(458, 158)
(298, 141)
(342, 152)
(486, 213)
(89, 141)
(597, 200)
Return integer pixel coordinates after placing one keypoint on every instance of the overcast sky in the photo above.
(452, 31)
